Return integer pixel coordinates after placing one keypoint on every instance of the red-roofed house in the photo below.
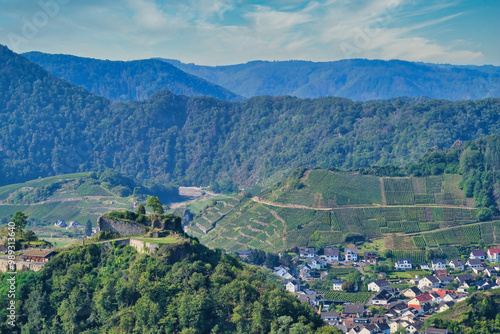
(494, 254)
(442, 292)
(419, 301)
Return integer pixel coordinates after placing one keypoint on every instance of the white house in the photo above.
(403, 264)
(438, 264)
(456, 264)
(477, 254)
(428, 282)
(293, 286)
(473, 263)
(307, 252)
(490, 271)
(425, 266)
(316, 263)
(494, 254)
(337, 284)
(331, 254)
(378, 285)
(382, 298)
(351, 254)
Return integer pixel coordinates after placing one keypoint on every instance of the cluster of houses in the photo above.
(314, 262)
(72, 224)
(475, 262)
(404, 308)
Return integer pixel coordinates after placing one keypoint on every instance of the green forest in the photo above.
(49, 127)
(184, 288)
(478, 314)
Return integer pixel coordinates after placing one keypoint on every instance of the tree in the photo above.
(347, 286)
(141, 210)
(21, 220)
(154, 203)
(30, 236)
(88, 228)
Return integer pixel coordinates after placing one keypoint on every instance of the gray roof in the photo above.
(478, 252)
(403, 260)
(354, 308)
(331, 251)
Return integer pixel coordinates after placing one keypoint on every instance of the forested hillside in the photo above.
(357, 79)
(49, 127)
(131, 80)
(186, 288)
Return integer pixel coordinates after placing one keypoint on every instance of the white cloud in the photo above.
(232, 31)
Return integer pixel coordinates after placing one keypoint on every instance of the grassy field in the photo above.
(166, 240)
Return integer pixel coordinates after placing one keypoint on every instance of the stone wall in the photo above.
(121, 227)
(143, 247)
(20, 265)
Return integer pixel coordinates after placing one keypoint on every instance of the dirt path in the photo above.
(382, 192)
(282, 222)
(298, 206)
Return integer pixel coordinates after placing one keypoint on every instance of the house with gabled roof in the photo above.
(428, 282)
(456, 264)
(38, 255)
(331, 254)
(370, 257)
(378, 285)
(292, 285)
(337, 284)
(382, 298)
(490, 271)
(307, 252)
(478, 254)
(331, 318)
(419, 301)
(494, 254)
(354, 309)
(403, 264)
(316, 262)
(438, 264)
(351, 254)
(412, 292)
(473, 263)
(445, 279)
(466, 278)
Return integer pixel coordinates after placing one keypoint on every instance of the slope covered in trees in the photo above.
(49, 127)
(185, 288)
(130, 80)
(357, 79)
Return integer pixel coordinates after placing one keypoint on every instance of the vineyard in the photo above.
(324, 188)
(356, 209)
(338, 296)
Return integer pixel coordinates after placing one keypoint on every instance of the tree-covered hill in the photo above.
(48, 127)
(185, 288)
(357, 79)
(131, 80)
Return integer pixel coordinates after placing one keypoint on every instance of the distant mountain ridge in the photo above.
(127, 80)
(356, 79)
(49, 126)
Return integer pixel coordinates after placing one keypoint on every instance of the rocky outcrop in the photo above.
(121, 227)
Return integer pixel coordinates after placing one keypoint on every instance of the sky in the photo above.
(223, 32)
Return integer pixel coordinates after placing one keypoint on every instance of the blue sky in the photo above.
(215, 32)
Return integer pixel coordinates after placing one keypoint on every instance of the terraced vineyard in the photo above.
(332, 205)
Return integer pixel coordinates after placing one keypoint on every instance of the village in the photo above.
(395, 304)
